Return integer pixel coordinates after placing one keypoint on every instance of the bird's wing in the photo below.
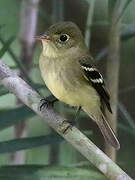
(93, 75)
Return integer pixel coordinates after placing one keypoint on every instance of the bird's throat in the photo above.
(49, 51)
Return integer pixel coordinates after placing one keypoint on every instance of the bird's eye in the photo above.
(64, 37)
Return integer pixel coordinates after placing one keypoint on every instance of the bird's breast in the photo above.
(59, 81)
(55, 84)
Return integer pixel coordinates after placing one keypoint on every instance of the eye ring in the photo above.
(64, 37)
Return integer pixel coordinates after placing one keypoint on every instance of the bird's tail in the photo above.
(108, 133)
(106, 130)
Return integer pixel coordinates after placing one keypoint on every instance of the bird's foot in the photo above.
(67, 128)
(46, 103)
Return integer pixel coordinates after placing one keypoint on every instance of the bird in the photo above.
(69, 72)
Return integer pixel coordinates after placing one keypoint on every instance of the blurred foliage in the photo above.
(6, 46)
(10, 117)
(35, 172)
(126, 4)
(28, 143)
(39, 133)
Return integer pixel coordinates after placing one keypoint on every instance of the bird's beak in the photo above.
(42, 37)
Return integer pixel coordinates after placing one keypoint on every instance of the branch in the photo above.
(23, 91)
(29, 12)
(112, 71)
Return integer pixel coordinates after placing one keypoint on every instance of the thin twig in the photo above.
(23, 91)
(112, 74)
(127, 116)
(89, 22)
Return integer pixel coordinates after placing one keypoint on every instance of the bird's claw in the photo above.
(45, 103)
(68, 127)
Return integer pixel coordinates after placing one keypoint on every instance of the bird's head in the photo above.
(62, 39)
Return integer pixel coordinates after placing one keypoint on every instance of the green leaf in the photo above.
(28, 143)
(6, 46)
(14, 116)
(40, 172)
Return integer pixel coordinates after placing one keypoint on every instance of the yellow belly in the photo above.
(56, 86)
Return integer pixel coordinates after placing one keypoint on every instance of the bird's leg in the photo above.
(48, 101)
(76, 117)
(77, 113)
